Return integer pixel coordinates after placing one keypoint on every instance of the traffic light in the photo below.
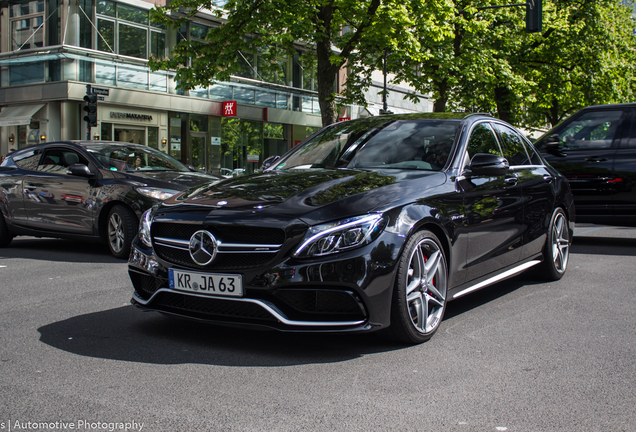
(534, 16)
(91, 109)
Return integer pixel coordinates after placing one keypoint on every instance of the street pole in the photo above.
(89, 90)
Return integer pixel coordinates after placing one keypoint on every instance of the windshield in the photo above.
(401, 144)
(131, 157)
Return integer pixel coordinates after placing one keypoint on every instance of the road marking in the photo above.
(586, 232)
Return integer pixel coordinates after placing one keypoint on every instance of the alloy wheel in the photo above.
(116, 232)
(560, 243)
(426, 286)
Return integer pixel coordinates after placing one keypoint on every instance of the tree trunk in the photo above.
(503, 99)
(440, 102)
(326, 98)
(326, 71)
(553, 113)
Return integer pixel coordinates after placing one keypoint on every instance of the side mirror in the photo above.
(552, 139)
(79, 170)
(485, 164)
(268, 162)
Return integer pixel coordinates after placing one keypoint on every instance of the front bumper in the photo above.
(347, 293)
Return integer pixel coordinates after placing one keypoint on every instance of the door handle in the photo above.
(511, 181)
(548, 178)
(595, 159)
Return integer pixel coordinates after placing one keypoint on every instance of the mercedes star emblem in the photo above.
(202, 247)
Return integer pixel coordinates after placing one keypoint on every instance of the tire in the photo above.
(121, 229)
(556, 253)
(419, 294)
(5, 235)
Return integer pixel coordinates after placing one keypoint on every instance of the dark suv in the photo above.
(596, 150)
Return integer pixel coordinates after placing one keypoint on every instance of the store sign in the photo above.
(344, 119)
(229, 108)
(130, 116)
(215, 140)
(252, 158)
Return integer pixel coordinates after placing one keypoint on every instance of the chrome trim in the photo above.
(222, 247)
(173, 242)
(498, 278)
(265, 305)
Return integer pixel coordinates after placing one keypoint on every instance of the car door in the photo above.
(585, 154)
(494, 209)
(14, 194)
(536, 184)
(624, 170)
(55, 200)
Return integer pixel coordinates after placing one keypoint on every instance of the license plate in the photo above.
(228, 285)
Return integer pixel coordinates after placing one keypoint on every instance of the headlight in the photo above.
(340, 236)
(157, 193)
(144, 228)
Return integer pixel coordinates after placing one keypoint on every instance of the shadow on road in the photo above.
(47, 249)
(604, 246)
(129, 334)
(490, 293)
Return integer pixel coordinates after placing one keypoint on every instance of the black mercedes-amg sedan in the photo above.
(368, 224)
(87, 190)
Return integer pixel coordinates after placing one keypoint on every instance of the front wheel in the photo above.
(419, 295)
(122, 228)
(557, 248)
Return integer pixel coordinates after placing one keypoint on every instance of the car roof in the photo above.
(431, 115)
(610, 106)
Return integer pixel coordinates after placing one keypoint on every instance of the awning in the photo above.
(18, 115)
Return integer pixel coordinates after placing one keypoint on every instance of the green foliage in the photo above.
(334, 33)
(485, 61)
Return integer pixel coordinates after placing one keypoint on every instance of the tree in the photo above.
(336, 33)
(486, 62)
(588, 58)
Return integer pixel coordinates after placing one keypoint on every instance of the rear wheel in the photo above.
(122, 228)
(5, 235)
(419, 295)
(557, 248)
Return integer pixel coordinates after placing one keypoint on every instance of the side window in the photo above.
(630, 141)
(513, 148)
(58, 160)
(27, 161)
(592, 130)
(535, 159)
(482, 140)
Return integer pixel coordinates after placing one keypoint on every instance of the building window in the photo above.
(128, 31)
(27, 24)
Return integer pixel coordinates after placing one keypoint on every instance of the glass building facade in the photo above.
(51, 50)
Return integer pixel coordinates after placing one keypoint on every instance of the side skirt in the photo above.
(497, 278)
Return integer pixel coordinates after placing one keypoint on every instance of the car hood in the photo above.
(169, 179)
(311, 195)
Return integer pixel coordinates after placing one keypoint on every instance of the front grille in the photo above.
(227, 234)
(223, 233)
(228, 261)
(209, 308)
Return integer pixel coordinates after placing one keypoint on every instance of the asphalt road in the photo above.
(519, 356)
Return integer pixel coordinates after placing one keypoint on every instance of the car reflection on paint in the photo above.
(371, 224)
